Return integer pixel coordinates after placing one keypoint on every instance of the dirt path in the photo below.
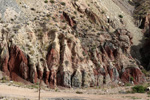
(32, 94)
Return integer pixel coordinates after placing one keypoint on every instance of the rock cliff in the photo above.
(142, 14)
(70, 43)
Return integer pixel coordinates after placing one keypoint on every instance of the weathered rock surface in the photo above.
(145, 50)
(71, 46)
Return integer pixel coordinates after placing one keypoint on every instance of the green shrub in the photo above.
(79, 92)
(3, 81)
(52, 1)
(75, 12)
(66, 62)
(138, 89)
(63, 3)
(56, 90)
(33, 86)
(120, 16)
(103, 12)
(131, 78)
(83, 52)
(4, 78)
(46, 1)
(33, 9)
(127, 84)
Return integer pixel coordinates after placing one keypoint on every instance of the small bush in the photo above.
(33, 9)
(3, 81)
(4, 78)
(75, 12)
(127, 84)
(46, 1)
(79, 92)
(131, 78)
(64, 27)
(56, 90)
(138, 89)
(103, 12)
(120, 16)
(83, 52)
(63, 3)
(66, 62)
(33, 86)
(52, 1)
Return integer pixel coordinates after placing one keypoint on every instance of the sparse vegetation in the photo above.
(46, 1)
(127, 84)
(139, 89)
(33, 9)
(133, 97)
(120, 16)
(3, 80)
(83, 52)
(146, 73)
(63, 3)
(131, 78)
(32, 52)
(53, 30)
(33, 86)
(79, 92)
(66, 62)
(56, 90)
(52, 1)
(75, 12)
(64, 27)
(103, 12)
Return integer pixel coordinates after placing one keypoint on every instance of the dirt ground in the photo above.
(19, 93)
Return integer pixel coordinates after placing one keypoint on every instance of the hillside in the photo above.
(70, 43)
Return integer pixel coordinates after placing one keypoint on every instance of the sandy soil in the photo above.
(18, 92)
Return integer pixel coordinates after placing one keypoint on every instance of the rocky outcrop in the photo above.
(132, 74)
(68, 64)
(70, 21)
(146, 30)
(141, 11)
(92, 16)
(18, 64)
(115, 58)
(70, 48)
(145, 48)
(4, 58)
